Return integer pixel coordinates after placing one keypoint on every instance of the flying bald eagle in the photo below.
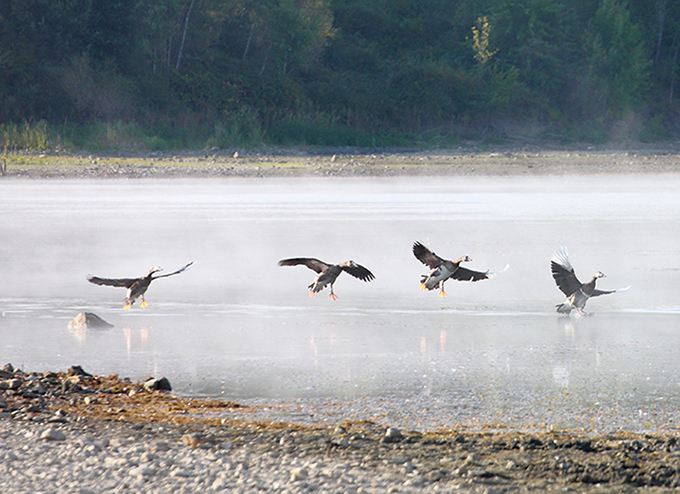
(136, 286)
(577, 293)
(443, 269)
(328, 273)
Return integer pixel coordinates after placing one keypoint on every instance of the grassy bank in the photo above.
(244, 131)
(236, 131)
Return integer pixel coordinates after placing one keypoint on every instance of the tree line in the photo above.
(180, 73)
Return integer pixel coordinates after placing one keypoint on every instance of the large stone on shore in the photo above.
(11, 384)
(392, 435)
(161, 384)
(52, 435)
(76, 370)
(7, 371)
(88, 320)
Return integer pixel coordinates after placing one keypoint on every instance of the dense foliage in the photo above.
(339, 72)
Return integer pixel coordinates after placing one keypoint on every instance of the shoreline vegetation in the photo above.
(340, 162)
(319, 72)
(123, 435)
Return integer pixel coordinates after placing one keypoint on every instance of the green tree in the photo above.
(42, 42)
(660, 25)
(541, 52)
(618, 63)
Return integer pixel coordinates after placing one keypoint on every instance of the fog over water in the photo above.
(238, 326)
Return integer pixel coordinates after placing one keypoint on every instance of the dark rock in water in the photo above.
(88, 320)
(8, 368)
(161, 384)
(77, 370)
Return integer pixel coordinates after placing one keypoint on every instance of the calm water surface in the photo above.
(238, 326)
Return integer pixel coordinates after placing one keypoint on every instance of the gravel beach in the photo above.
(73, 432)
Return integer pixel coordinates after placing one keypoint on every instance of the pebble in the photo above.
(197, 441)
(160, 446)
(298, 474)
(219, 484)
(181, 473)
(142, 472)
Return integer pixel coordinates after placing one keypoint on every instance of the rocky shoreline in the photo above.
(339, 163)
(73, 432)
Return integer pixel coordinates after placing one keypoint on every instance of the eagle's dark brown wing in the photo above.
(125, 282)
(357, 271)
(463, 274)
(311, 263)
(426, 256)
(563, 273)
(180, 270)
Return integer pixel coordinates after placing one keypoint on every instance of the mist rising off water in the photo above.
(237, 325)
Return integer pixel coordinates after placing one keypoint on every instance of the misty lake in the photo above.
(239, 327)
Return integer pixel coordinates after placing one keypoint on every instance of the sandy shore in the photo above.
(72, 432)
(220, 163)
